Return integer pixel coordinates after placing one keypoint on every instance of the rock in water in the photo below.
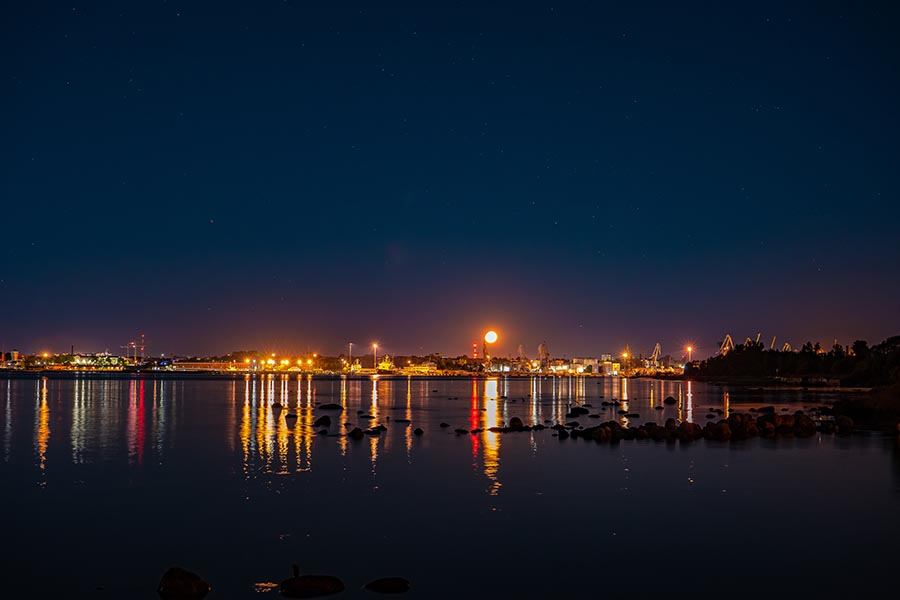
(310, 586)
(389, 585)
(356, 434)
(418, 431)
(323, 421)
(178, 584)
(516, 423)
(331, 407)
(843, 424)
(670, 400)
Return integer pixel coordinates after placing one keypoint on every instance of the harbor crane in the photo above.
(133, 347)
(727, 345)
(654, 358)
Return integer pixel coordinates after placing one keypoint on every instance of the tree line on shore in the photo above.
(855, 365)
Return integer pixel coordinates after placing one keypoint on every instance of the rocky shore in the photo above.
(878, 410)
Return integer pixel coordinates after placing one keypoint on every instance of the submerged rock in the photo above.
(356, 434)
(445, 425)
(670, 400)
(323, 421)
(388, 585)
(516, 423)
(418, 431)
(331, 406)
(461, 431)
(843, 424)
(310, 586)
(179, 584)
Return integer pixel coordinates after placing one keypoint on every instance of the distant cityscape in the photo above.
(368, 363)
(746, 358)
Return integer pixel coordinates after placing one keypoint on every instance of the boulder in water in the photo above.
(310, 586)
(388, 585)
(179, 584)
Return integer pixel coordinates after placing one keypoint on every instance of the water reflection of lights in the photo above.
(7, 438)
(343, 439)
(491, 439)
(474, 421)
(79, 422)
(42, 427)
(268, 440)
(408, 433)
(690, 403)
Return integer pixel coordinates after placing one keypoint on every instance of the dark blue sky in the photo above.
(292, 176)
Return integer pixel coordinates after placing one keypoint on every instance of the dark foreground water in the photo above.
(107, 482)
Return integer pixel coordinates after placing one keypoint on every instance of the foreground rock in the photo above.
(310, 586)
(179, 584)
(332, 406)
(389, 585)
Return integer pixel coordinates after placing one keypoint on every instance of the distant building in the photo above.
(610, 368)
(586, 365)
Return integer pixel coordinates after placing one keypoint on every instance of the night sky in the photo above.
(293, 176)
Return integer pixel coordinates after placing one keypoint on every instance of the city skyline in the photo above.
(257, 175)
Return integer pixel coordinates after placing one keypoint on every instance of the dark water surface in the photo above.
(108, 482)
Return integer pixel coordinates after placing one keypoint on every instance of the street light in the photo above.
(375, 355)
(690, 349)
